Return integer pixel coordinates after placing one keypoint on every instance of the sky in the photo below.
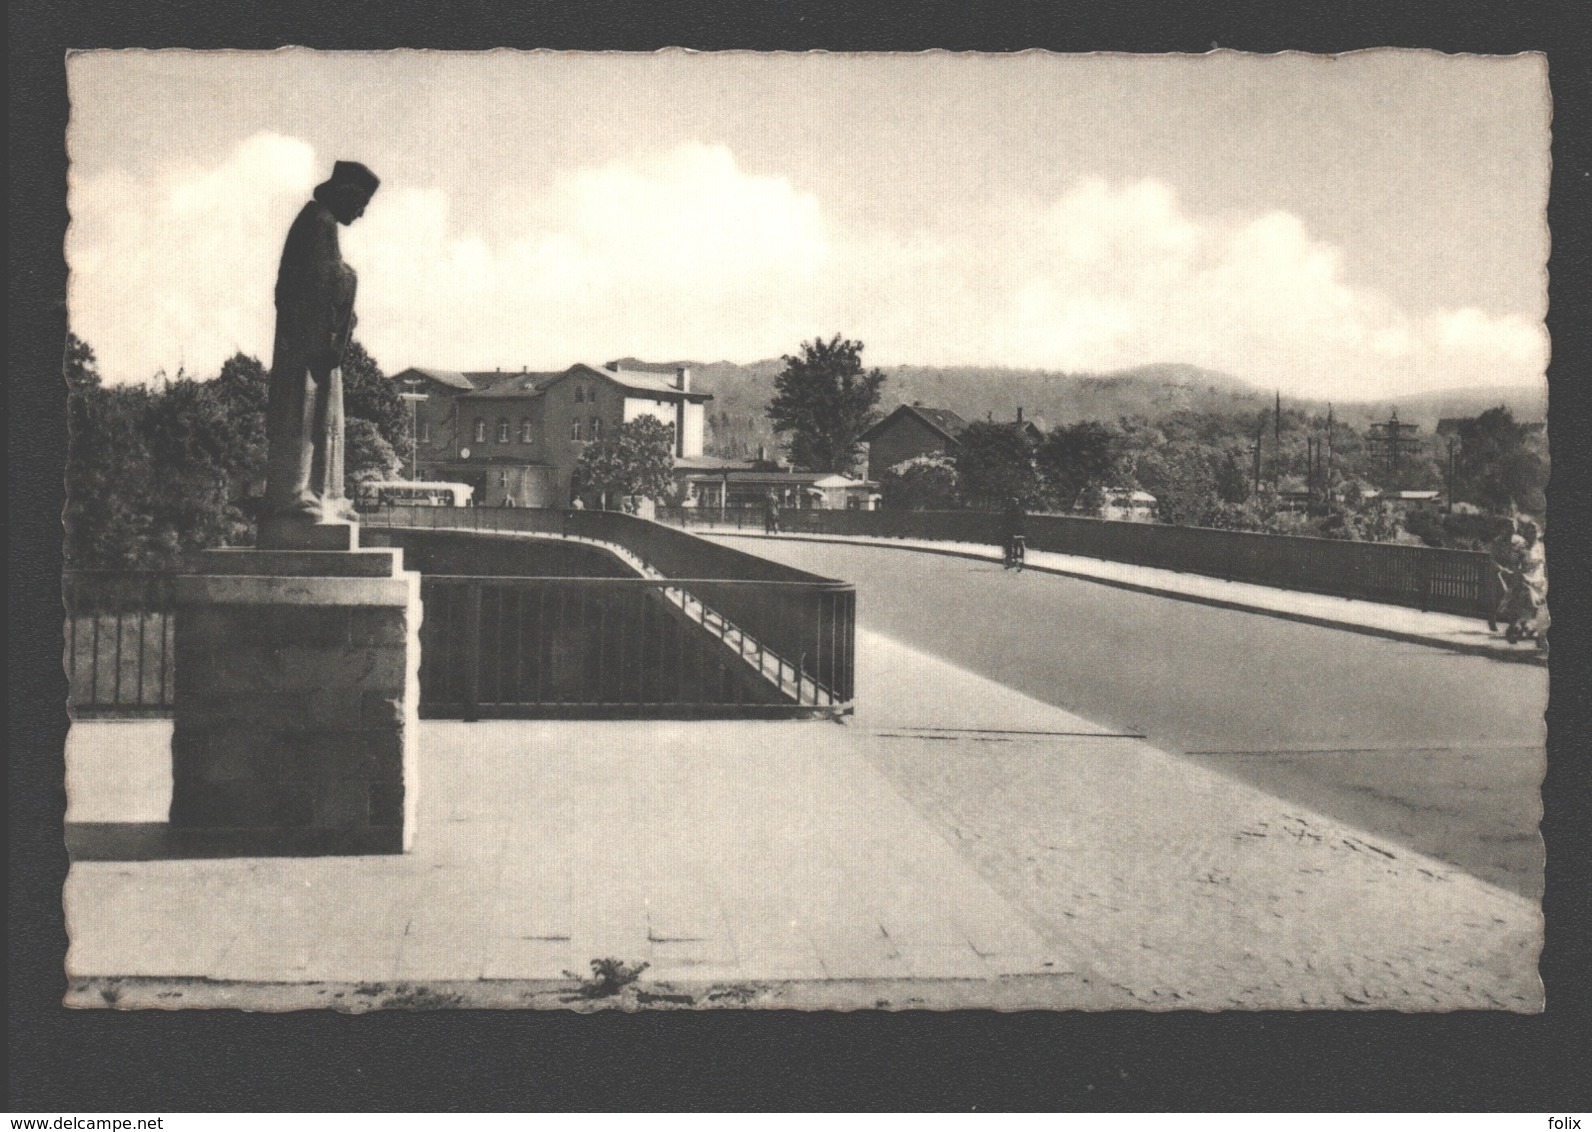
(1359, 226)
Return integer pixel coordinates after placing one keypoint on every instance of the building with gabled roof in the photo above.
(517, 437)
(909, 432)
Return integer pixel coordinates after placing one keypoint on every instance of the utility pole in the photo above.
(1276, 437)
(414, 397)
(1390, 439)
(1452, 474)
(1255, 450)
(1328, 489)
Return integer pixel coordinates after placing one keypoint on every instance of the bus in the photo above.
(373, 494)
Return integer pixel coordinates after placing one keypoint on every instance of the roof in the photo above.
(771, 479)
(522, 384)
(498, 384)
(834, 479)
(942, 421)
(631, 365)
(1034, 426)
(453, 379)
(781, 479)
(710, 464)
(654, 379)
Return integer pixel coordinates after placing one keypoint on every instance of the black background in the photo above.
(65, 1061)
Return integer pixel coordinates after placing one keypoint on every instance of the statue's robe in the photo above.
(314, 318)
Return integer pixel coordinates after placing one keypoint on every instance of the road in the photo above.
(1438, 751)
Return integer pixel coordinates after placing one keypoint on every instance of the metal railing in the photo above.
(1426, 578)
(119, 643)
(710, 630)
(806, 621)
(529, 647)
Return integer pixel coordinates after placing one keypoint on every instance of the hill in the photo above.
(1427, 409)
(741, 392)
(737, 426)
(1055, 397)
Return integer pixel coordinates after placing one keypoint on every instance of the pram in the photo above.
(1524, 610)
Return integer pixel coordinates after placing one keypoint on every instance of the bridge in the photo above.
(1052, 792)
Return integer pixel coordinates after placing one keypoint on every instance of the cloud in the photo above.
(168, 271)
(676, 254)
(1507, 339)
(1111, 276)
(684, 253)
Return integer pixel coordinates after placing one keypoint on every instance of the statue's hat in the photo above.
(353, 173)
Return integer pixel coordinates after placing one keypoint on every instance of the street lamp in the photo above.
(414, 397)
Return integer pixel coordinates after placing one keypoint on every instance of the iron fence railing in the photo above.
(670, 551)
(118, 643)
(528, 647)
(707, 630)
(1427, 578)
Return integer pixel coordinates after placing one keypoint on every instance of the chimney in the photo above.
(682, 378)
(917, 404)
(525, 369)
(1019, 414)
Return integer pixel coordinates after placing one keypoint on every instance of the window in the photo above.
(525, 430)
(503, 479)
(480, 430)
(580, 394)
(425, 432)
(596, 428)
(503, 430)
(574, 429)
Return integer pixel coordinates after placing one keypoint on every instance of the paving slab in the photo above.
(954, 844)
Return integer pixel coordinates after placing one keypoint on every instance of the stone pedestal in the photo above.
(297, 700)
(300, 532)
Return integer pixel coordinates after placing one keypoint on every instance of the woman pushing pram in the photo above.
(1523, 580)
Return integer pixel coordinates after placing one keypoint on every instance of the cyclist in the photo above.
(1016, 529)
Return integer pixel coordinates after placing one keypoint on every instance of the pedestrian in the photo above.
(771, 515)
(1503, 551)
(1015, 524)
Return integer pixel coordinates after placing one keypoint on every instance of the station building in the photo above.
(517, 437)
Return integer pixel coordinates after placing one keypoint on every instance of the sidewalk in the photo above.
(954, 845)
(1440, 630)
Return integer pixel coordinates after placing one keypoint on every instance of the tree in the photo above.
(923, 483)
(195, 450)
(1183, 482)
(1074, 459)
(370, 395)
(1496, 465)
(825, 401)
(242, 389)
(366, 456)
(996, 463)
(638, 460)
(81, 367)
(1233, 480)
(107, 516)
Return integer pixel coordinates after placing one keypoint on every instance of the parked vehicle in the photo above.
(373, 494)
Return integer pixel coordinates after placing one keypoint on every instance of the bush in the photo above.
(925, 483)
